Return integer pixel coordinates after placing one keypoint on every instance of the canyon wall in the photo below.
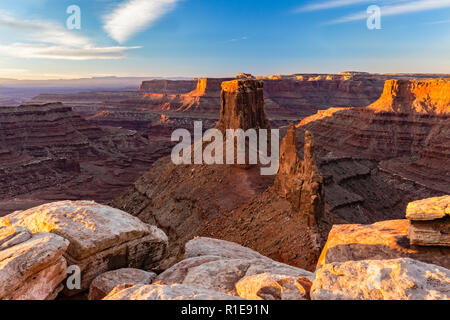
(47, 152)
(286, 97)
(407, 131)
(167, 86)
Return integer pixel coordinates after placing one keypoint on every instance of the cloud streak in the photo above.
(329, 5)
(47, 40)
(391, 10)
(133, 16)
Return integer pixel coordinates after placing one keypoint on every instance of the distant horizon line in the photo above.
(153, 77)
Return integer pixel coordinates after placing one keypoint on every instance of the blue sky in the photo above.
(221, 37)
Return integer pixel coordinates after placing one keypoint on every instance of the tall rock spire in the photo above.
(300, 181)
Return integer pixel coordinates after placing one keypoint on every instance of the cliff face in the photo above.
(425, 97)
(302, 98)
(47, 152)
(286, 97)
(400, 143)
(167, 86)
(243, 107)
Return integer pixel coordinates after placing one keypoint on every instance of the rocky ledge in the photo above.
(99, 238)
(33, 264)
(430, 222)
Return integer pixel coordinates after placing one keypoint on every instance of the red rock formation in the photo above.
(406, 131)
(181, 199)
(424, 96)
(300, 182)
(379, 241)
(167, 86)
(242, 104)
(282, 223)
(47, 152)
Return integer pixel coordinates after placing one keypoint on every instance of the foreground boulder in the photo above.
(101, 238)
(105, 283)
(164, 292)
(430, 222)
(219, 265)
(32, 266)
(201, 246)
(268, 286)
(399, 279)
(379, 241)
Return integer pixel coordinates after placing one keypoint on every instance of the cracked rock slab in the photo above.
(32, 266)
(429, 209)
(101, 238)
(106, 282)
(166, 292)
(398, 279)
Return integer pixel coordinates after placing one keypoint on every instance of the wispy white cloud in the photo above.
(237, 39)
(404, 8)
(47, 40)
(132, 16)
(329, 5)
(43, 51)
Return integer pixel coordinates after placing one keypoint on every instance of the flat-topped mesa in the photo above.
(169, 87)
(242, 105)
(415, 96)
(300, 181)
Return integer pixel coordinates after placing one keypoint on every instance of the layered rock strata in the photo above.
(406, 132)
(229, 202)
(182, 199)
(47, 153)
(242, 106)
(429, 222)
